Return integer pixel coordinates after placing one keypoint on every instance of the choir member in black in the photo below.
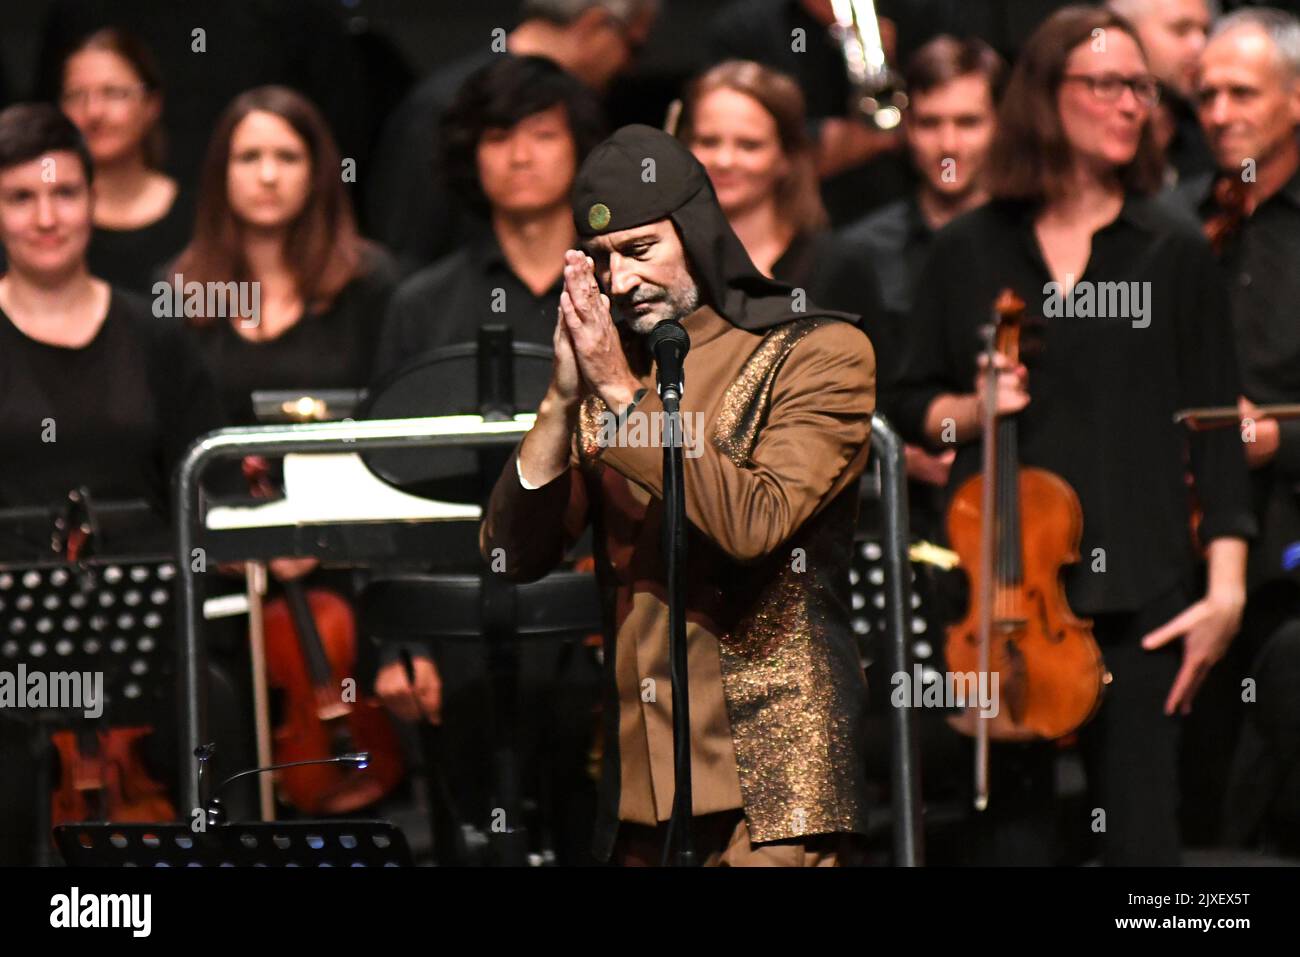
(410, 204)
(857, 162)
(273, 212)
(1071, 166)
(1173, 34)
(273, 216)
(112, 90)
(514, 137)
(513, 140)
(746, 124)
(953, 87)
(95, 392)
(1249, 95)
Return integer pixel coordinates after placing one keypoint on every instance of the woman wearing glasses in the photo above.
(112, 91)
(1073, 167)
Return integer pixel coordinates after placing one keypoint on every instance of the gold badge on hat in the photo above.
(598, 216)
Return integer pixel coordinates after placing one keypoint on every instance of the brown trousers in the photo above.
(722, 840)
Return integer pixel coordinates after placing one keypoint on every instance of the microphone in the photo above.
(669, 344)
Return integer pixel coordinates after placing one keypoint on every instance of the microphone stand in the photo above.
(679, 846)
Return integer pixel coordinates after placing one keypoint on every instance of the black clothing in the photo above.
(411, 211)
(1130, 755)
(1188, 154)
(135, 259)
(1260, 261)
(115, 415)
(830, 272)
(1260, 257)
(612, 193)
(1262, 806)
(443, 304)
(897, 241)
(446, 303)
(333, 349)
(1103, 392)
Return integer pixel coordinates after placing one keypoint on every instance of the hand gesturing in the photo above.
(585, 315)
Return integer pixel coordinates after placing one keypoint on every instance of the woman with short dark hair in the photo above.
(124, 391)
(1073, 167)
(95, 392)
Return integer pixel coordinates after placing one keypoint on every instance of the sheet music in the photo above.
(328, 488)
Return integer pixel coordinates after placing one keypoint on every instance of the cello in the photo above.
(1014, 527)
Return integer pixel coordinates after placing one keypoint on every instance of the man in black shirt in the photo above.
(514, 137)
(948, 126)
(410, 206)
(953, 85)
(1249, 93)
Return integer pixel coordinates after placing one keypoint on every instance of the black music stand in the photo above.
(277, 844)
(423, 607)
(104, 615)
(483, 378)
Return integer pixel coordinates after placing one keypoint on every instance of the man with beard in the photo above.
(784, 392)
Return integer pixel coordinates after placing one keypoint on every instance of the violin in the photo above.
(103, 779)
(311, 652)
(1013, 528)
(101, 775)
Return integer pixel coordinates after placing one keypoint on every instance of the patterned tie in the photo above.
(1230, 196)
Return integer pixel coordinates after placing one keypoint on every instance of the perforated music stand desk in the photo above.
(255, 844)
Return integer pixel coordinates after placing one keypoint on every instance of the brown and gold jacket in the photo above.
(777, 695)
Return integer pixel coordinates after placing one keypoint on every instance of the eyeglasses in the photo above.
(1108, 87)
(112, 95)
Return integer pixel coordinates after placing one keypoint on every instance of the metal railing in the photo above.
(430, 433)
(364, 436)
(905, 766)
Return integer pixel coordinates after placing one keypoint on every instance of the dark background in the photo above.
(426, 32)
